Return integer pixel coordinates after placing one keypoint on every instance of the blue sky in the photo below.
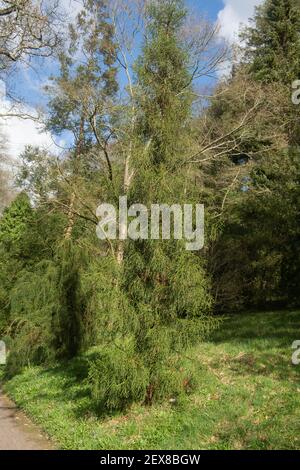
(28, 82)
(211, 7)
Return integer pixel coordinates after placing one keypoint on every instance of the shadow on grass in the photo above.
(265, 365)
(282, 327)
(256, 334)
(264, 341)
(72, 386)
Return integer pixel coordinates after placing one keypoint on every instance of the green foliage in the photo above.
(255, 260)
(273, 42)
(46, 311)
(68, 322)
(33, 305)
(13, 232)
(136, 322)
(247, 396)
(164, 81)
(14, 220)
(256, 257)
(78, 94)
(166, 286)
(29, 237)
(157, 300)
(142, 304)
(117, 376)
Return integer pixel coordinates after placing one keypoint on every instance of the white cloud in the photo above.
(21, 132)
(235, 13)
(71, 8)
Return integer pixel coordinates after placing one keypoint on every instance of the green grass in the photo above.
(248, 396)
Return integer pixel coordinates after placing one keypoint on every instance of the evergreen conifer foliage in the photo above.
(46, 310)
(273, 42)
(142, 310)
(163, 82)
(14, 221)
(251, 260)
(68, 322)
(165, 296)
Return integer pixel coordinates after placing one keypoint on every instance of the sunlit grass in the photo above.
(248, 396)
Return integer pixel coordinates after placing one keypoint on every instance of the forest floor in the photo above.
(248, 396)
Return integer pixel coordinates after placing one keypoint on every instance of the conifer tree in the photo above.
(161, 303)
(161, 273)
(14, 220)
(273, 41)
(13, 227)
(252, 258)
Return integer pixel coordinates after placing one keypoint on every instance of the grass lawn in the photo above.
(248, 396)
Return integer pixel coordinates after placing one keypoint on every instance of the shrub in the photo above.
(117, 377)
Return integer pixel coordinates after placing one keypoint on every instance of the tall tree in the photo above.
(156, 280)
(151, 317)
(83, 92)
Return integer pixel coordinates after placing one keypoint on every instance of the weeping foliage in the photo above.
(142, 317)
(14, 221)
(158, 300)
(117, 375)
(33, 305)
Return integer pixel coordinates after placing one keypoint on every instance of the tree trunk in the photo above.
(71, 219)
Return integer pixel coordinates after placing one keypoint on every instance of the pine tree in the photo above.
(273, 42)
(14, 221)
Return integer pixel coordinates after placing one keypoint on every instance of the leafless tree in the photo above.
(28, 28)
